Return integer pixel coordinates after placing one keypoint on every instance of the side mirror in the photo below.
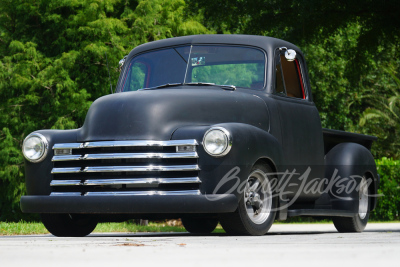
(121, 62)
(290, 54)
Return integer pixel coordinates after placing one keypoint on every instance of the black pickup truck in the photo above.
(208, 128)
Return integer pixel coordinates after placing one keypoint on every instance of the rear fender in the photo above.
(346, 162)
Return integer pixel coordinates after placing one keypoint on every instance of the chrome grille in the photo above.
(126, 168)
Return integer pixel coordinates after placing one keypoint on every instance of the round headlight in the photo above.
(217, 141)
(35, 147)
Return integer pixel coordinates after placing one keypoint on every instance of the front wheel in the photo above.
(358, 222)
(257, 206)
(69, 224)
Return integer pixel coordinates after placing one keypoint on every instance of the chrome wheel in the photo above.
(363, 199)
(258, 197)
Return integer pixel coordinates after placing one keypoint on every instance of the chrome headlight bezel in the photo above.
(45, 145)
(227, 138)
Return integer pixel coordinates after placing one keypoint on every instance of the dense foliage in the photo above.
(53, 65)
(53, 62)
(389, 203)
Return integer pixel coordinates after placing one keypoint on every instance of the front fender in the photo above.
(38, 175)
(226, 174)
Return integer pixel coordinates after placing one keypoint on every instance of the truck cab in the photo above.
(210, 129)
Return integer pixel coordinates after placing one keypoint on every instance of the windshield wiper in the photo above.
(161, 86)
(168, 85)
(199, 83)
(225, 87)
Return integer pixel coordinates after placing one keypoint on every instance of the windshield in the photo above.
(222, 65)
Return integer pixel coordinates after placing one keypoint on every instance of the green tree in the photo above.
(382, 118)
(53, 65)
(299, 20)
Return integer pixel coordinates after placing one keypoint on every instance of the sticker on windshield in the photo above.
(196, 61)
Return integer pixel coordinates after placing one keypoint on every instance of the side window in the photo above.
(137, 77)
(288, 78)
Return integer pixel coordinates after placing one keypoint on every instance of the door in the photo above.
(301, 131)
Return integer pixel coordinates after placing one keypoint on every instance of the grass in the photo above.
(22, 228)
(37, 228)
(32, 228)
(134, 228)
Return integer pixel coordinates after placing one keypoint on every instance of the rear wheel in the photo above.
(69, 224)
(257, 206)
(359, 221)
(199, 225)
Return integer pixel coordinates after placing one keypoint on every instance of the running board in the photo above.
(320, 212)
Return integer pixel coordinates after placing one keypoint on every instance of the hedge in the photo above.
(389, 204)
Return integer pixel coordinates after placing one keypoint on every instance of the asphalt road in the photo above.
(290, 245)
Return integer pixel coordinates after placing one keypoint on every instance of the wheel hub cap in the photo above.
(258, 197)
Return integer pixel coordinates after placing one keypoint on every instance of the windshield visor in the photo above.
(222, 65)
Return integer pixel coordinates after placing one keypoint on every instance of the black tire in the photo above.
(199, 225)
(75, 225)
(239, 222)
(355, 224)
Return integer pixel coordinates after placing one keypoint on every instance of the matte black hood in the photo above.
(156, 114)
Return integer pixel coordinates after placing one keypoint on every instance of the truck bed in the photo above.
(334, 137)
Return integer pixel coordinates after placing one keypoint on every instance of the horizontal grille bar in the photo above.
(130, 193)
(142, 181)
(147, 193)
(187, 155)
(72, 194)
(125, 169)
(134, 181)
(66, 170)
(65, 182)
(125, 144)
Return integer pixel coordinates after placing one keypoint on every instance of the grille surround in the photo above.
(139, 167)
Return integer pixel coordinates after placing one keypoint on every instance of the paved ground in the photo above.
(297, 245)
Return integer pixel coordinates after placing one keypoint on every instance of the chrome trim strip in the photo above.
(126, 156)
(145, 193)
(65, 182)
(126, 169)
(66, 158)
(63, 194)
(68, 146)
(141, 168)
(141, 181)
(66, 170)
(190, 142)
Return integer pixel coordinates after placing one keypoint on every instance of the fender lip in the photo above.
(130, 204)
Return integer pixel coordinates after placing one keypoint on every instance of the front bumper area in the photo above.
(110, 204)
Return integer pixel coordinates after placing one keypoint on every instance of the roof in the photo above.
(268, 44)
